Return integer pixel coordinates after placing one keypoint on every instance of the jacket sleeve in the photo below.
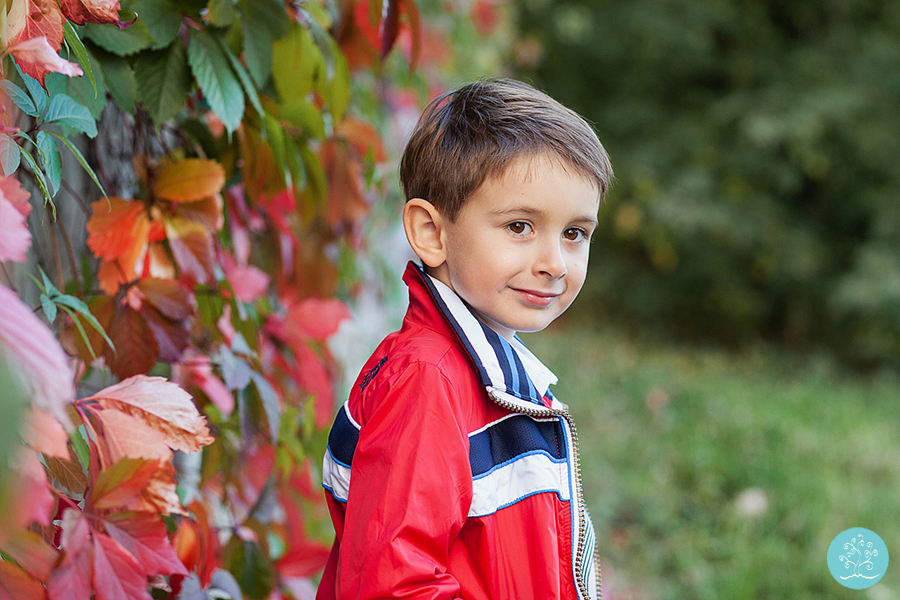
(410, 490)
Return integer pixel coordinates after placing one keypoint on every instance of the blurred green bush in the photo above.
(755, 145)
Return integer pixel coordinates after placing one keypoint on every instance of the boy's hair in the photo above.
(472, 134)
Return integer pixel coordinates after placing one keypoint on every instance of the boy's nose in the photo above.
(550, 260)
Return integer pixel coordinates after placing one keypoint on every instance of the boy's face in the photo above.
(518, 250)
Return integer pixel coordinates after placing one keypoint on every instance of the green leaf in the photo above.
(41, 181)
(123, 42)
(339, 88)
(243, 77)
(64, 109)
(81, 331)
(161, 20)
(120, 80)
(216, 78)
(304, 116)
(78, 49)
(79, 443)
(250, 567)
(297, 67)
(10, 155)
(48, 287)
(84, 164)
(221, 12)
(37, 91)
(81, 308)
(20, 97)
(50, 160)
(82, 91)
(163, 81)
(262, 23)
(49, 308)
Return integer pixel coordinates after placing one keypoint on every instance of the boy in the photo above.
(465, 478)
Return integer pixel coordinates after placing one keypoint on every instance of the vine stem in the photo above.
(71, 253)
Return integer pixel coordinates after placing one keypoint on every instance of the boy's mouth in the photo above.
(536, 297)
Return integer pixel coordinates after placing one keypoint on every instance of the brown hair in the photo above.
(469, 135)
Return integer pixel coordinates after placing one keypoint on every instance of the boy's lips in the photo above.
(536, 297)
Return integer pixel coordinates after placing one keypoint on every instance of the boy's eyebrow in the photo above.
(528, 210)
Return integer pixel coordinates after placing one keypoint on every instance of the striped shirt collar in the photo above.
(508, 368)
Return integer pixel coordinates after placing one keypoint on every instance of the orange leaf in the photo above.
(146, 539)
(192, 247)
(44, 433)
(162, 405)
(68, 472)
(122, 483)
(40, 55)
(346, 204)
(189, 179)
(15, 584)
(113, 227)
(91, 11)
(122, 435)
(117, 575)
(32, 553)
(71, 579)
(363, 137)
(30, 19)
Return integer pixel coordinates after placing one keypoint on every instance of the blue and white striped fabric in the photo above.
(512, 458)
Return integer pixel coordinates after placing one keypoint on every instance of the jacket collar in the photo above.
(500, 365)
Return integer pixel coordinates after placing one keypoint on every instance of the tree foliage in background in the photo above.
(198, 315)
(755, 147)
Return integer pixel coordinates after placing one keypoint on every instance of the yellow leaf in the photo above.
(190, 179)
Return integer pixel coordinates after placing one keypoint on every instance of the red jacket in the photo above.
(464, 477)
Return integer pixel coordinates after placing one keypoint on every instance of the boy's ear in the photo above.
(424, 227)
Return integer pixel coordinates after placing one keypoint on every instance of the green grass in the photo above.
(671, 437)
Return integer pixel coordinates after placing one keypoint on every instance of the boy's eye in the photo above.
(519, 227)
(575, 234)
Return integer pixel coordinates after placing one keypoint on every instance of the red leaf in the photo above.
(196, 370)
(91, 11)
(311, 374)
(169, 297)
(15, 584)
(35, 356)
(71, 579)
(303, 559)
(315, 318)
(27, 498)
(30, 19)
(146, 539)
(117, 574)
(162, 405)
(15, 239)
(190, 179)
(136, 347)
(172, 337)
(32, 553)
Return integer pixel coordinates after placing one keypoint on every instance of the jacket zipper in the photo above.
(581, 507)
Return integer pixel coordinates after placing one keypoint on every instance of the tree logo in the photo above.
(857, 558)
